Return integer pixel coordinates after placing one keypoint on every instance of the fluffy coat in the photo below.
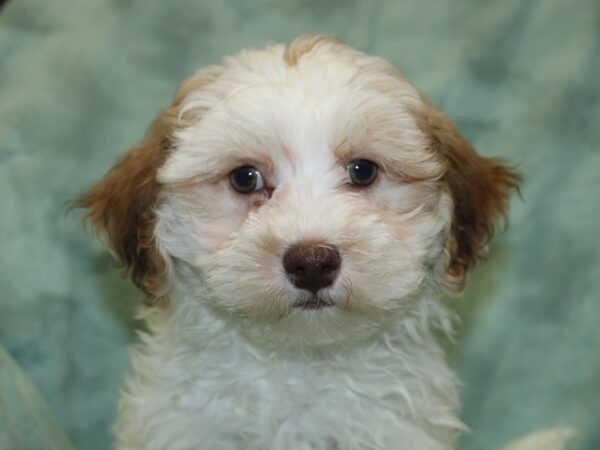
(230, 360)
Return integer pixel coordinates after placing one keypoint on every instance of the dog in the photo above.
(293, 218)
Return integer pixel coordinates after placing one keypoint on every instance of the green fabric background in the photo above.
(80, 80)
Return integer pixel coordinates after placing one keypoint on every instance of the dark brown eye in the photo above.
(246, 179)
(362, 172)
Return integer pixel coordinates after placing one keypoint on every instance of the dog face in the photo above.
(308, 191)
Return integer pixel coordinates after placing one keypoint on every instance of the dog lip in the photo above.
(313, 303)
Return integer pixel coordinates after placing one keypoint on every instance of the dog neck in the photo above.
(396, 379)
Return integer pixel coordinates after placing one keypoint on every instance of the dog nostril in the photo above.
(312, 266)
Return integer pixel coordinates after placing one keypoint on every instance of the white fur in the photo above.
(230, 363)
(201, 384)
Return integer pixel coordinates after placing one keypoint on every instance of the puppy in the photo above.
(291, 219)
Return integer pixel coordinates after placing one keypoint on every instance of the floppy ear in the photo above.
(121, 208)
(479, 188)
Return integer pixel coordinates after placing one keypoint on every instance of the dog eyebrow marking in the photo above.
(404, 168)
(187, 168)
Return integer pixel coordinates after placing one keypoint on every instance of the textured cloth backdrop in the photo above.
(79, 82)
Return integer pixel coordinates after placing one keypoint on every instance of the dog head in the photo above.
(307, 188)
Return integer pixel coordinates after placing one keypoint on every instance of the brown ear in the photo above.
(122, 205)
(479, 187)
(122, 210)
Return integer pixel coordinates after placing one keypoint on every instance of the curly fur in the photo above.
(230, 362)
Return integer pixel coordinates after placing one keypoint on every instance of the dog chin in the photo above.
(313, 302)
(308, 321)
(318, 328)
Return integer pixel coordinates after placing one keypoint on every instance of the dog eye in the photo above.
(362, 172)
(246, 179)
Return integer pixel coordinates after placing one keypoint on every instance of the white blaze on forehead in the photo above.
(291, 118)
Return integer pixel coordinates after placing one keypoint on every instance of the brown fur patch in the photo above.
(305, 44)
(122, 205)
(121, 208)
(479, 186)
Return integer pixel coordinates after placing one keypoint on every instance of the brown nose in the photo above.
(312, 267)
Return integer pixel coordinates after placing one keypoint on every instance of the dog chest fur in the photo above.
(210, 387)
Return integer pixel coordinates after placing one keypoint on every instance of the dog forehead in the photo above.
(292, 117)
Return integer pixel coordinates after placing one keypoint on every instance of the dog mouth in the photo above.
(313, 303)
